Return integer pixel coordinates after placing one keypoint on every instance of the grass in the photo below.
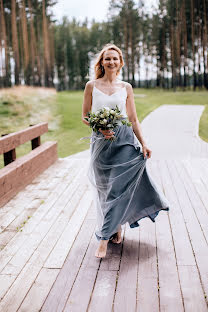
(22, 106)
(71, 129)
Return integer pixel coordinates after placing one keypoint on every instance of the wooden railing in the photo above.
(17, 173)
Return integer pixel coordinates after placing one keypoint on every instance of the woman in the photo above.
(124, 190)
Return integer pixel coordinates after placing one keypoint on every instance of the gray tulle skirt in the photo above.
(123, 189)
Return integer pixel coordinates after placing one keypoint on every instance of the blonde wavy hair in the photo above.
(99, 70)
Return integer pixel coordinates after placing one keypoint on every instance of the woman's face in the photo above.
(111, 61)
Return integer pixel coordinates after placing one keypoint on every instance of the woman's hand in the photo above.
(108, 134)
(146, 151)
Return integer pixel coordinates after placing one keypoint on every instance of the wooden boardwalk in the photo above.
(47, 245)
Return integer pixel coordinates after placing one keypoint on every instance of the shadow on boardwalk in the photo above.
(47, 236)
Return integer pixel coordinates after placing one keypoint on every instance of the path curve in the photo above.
(171, 131)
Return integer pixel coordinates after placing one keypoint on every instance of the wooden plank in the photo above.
(16, 264)
(169, 285)
(5, 282)
(13, 269)
(24, 204)
(5, 237)
(102, 298)
(193, 296)
(184, 255)
(39, 290)
(103, 294)
(60, 251)
(5, 220)
(7, 207)
(198, 207)
(199, 185)
(126, 291)
(197, 239)
(23, 170)
(61, 289)
(11, 230)
(17, 292)
(187, 281)
(147, 290)
(15, 139)
(85, 281)
(47, 209)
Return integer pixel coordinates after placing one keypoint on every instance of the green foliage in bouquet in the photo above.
(106, 119)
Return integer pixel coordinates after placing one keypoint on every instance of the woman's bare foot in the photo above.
(102, 248)
(117, 239)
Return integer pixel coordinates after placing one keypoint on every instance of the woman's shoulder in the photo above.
(125, 83)
(89, 85)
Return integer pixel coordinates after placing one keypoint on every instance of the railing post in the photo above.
(35, 142)
(9, 156)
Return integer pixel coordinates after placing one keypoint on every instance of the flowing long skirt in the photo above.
(124, 190)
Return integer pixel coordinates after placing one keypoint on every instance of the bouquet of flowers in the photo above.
(106, 119)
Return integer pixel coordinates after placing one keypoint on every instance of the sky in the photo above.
(81, 9)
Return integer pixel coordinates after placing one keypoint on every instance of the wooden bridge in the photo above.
(47, 239)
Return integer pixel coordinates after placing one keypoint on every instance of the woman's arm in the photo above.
(87, 102)
(132, 116)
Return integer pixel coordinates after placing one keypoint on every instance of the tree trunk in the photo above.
(46, 48)
(126, 44)
(33, 49)
(199, 52)
(193, 43)
(25, 44)
(40, 66)
(15, 45)
(204, 40)
(1, 65)
(172, 56)
(178, 44)
(185, 53)
(132, 52)
(5, 66)
(52, 56)
(163, 56)
(139, 68)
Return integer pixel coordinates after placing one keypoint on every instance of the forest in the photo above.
(164, 48)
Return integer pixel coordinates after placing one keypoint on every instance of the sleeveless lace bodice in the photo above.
(101, 99)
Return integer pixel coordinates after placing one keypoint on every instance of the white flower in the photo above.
(109, 125)
(102, 115)
(106, 114)
(105, 121)
(97, 113)
(107, 108)
(112, 112)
